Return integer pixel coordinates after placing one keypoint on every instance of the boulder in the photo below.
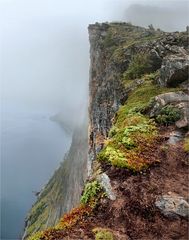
(184, 121)
(174, 69)
(175, 137)
(173, 205)
(105, 183)
(155, 60)
(178, 99)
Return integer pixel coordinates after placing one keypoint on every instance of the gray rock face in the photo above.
(105, 183)
(175, 137)
(179, 100)
(64, 189)
(106, 90)
(184, 121)
(155, 59)
(174, 69)
(173, 206)
(171, 98)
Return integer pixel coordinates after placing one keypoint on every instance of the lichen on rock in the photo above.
(173, 205)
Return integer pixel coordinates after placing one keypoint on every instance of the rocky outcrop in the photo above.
(173, 206)
(179, 100)
(104, 180)
(106, 90)
(174, 69)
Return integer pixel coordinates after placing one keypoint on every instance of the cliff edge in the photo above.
(137, 187)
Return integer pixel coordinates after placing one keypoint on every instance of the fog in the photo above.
(45, 51)
(44, 70)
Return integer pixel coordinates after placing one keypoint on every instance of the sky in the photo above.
(44, 51)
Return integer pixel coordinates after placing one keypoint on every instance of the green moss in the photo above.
(119, 55)
(109, 40)
(91, 191)
(70, 219)
(122, 36)
(140, 99)
(38, 211)
(151, 76)
(133, 133)
(112, 131)
(40, 222)
(186, 144)
(36, 236)
(103, 234)
(168, 115)
(139, 65)
(125, 148)
(113, 155)
(127, 83)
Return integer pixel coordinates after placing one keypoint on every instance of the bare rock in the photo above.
(175, 137)
(173, 206)
(179, 100)
(105, 183)
(184, 121)
(155, 59)
(174, 69)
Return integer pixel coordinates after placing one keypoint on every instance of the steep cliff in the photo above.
(138, 139)
(64, 189)
(113, 47)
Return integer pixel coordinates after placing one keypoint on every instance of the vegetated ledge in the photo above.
(138, 138)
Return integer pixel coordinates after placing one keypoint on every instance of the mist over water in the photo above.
(32, 147)
(44, 66)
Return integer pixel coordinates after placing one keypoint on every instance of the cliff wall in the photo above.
(138, 140)
(64, 189)
(105, 89)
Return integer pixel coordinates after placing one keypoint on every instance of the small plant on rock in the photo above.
(139, 65)
(168, 115)
(113, 131)
(90, 192)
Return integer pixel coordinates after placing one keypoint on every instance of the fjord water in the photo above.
(32, 146)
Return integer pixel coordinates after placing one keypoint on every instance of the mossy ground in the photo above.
(129, 143)
(141, 97)
(65, 223)
(120, 37)
(186, 144)
(93, 192)
(103, 234)
(134, 137)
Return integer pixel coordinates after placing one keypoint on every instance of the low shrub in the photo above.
(91, 191)
(139, 65)
(168, 115)
(112, 131)
(103, 234)
(140, 100)
(66, 222)
(74, 216)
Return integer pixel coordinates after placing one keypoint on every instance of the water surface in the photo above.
(32, 147)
